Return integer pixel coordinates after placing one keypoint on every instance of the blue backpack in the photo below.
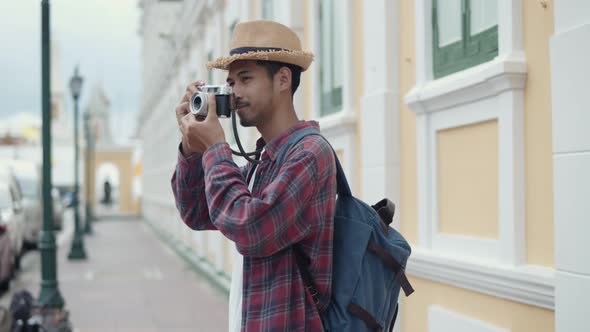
(369, 259)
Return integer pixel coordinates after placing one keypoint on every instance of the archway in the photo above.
(115, 165)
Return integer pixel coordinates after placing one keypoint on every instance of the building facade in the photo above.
(462, 112)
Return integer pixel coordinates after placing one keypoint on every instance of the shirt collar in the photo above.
(272, 148)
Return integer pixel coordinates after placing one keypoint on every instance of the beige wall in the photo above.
(468, 180)
(538, 28)
(503, 313)
(91, 182)
(409, 182)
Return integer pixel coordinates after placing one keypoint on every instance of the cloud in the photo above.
(99, 35)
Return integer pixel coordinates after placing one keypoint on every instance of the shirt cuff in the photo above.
(187, 162)
(216, 154)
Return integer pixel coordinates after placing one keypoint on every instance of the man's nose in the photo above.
(237, 92)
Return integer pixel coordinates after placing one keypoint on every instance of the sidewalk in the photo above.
(130, 282)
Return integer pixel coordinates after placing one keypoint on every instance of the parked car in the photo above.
(12, 217)
(11, 213)
(6, 259)
(28, 176)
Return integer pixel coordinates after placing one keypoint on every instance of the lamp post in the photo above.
(89, 152)
(50, 296)
(77, 251)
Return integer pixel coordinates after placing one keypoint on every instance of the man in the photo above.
(290, 207)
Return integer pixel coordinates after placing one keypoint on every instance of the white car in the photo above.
(11, 212)
(29, 179)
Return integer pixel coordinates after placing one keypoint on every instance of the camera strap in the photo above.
(243, 153)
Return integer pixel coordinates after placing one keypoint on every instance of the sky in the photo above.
(99, 35)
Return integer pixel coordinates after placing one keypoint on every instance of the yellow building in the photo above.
(448, 108)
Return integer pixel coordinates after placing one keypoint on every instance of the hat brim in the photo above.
(300, 58)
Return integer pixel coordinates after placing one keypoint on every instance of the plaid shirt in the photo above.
(289, 204)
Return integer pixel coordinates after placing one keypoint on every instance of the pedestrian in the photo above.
(268, 210)
(107, 192)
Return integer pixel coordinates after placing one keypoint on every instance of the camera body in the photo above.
(223, 100)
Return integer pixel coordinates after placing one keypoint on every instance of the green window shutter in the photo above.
(331, 48)
(471, 49)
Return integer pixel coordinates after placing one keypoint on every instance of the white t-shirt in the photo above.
(235, 292)
(237, 279)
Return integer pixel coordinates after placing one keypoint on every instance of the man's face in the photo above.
(253, 91)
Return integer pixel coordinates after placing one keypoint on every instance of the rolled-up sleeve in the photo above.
(188, 187)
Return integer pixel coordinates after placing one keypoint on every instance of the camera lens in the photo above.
(198, 102)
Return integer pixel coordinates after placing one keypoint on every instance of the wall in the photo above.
(538, 28)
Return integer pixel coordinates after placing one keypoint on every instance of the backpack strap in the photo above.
(342, 184)
(392, 263)
(302, 262)
(342, 188)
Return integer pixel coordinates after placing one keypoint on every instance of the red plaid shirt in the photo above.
(289, 204)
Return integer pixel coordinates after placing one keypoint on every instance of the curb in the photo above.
(202, 267)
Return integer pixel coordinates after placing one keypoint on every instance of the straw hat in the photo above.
(264, 40)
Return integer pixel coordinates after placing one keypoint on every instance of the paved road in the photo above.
(130, 282)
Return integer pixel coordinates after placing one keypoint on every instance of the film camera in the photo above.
(224, 100)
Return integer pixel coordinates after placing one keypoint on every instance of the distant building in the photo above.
(99, 109)
(61, 129)
(21, 133)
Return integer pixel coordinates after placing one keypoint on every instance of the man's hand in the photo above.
(183, 109)
(199, 135)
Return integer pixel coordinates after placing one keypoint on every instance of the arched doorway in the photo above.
(107, 193)
(114, 165)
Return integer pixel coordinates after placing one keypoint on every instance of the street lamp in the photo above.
(77, 251)
(50, 296)
(89, 152)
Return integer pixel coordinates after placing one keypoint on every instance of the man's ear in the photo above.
(284, 79)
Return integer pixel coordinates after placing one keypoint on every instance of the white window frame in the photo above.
(492, 90)
(348, 69)
(489, 91)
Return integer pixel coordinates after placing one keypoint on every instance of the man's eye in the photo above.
(244, 79)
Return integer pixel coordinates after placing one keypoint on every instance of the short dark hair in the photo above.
(272, 67)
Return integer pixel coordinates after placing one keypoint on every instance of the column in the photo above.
(570, 49)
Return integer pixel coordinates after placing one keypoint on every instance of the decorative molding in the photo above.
(529, 284)
(338, 123)
(489, 91)
(479, 82)
(507, 108)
